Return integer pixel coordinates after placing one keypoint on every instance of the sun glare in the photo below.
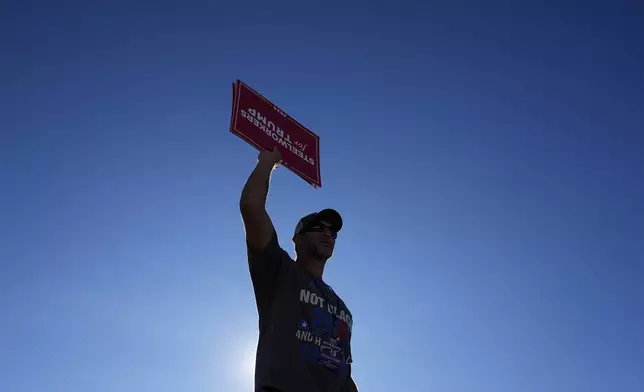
(244, 363)
(247, 365)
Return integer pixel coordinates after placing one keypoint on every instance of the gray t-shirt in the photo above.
(304, 327)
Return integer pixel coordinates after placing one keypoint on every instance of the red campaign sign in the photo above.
(264, 125)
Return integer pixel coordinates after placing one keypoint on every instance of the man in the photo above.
(304, 327)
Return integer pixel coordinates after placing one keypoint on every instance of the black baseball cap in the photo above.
(328, 215)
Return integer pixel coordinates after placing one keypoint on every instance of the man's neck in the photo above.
(313, 266)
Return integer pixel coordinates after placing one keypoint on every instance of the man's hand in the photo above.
(272, 158)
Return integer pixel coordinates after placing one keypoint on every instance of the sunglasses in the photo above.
(320, 229)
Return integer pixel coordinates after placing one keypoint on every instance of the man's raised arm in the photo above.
(257, 223)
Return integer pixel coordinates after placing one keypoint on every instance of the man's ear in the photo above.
(297, 240)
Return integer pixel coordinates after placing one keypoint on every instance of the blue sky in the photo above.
(487, 158)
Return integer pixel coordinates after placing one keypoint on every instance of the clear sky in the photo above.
(487, 157)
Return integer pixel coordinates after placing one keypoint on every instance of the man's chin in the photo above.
(325, 253)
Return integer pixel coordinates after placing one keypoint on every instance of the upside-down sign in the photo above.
(263, 125)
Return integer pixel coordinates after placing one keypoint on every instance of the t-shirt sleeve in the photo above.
(265, 270)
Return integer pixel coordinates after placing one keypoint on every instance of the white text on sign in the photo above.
(276, 133)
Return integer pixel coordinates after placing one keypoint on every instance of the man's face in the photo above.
(318, 240)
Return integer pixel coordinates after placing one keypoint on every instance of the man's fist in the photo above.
(272, 158)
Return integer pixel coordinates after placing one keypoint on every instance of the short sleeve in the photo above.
(265, 270)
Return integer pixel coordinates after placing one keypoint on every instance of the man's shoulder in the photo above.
(342, 303)
(272, 250)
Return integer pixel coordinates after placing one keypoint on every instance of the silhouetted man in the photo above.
(304, 327)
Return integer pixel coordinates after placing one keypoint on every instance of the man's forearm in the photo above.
(256, 188)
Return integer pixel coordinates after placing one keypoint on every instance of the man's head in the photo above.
(316, 233)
